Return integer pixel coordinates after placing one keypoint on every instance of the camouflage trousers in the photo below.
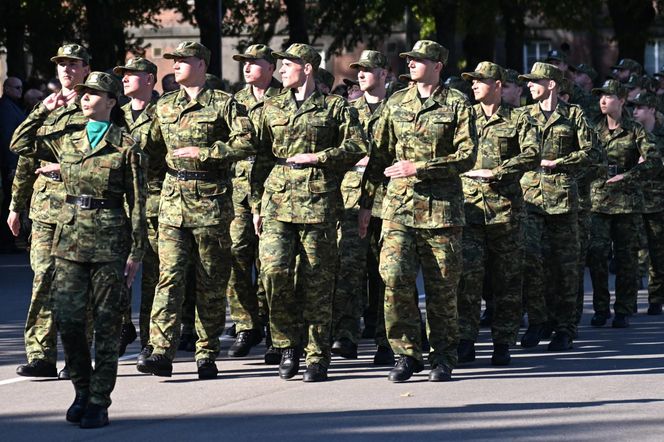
(149, 279)
(374, 312)
(584, 244)
(310, 306)
(621, 230)
(40, 331)
(654, 223)
(349, 296)
(438, 252)
(498, 250)
(558, 235)
(208, 249)
(76, 286)
(242, 291)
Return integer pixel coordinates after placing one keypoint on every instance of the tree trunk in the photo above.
(631, 20)
(207, 13)
(445, 14)
(297, 22)
(513, 14)
(105, 35)
(15, 38)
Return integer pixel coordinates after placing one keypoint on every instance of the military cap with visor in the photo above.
(190, 49)
(429, 50)
(138, 64)
(300, 52)
(72, 51)
(555, 55)
(324, 76)
(611, 87)
(512, 76)
(370, 60)
(634, 81)
(629, 64)
(101, 81)
(584, 69)
(256, 52)
(543, 71)
(644, 99)
(484, 71)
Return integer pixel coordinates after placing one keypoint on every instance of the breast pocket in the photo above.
(107, 172)
(205, 128)
(508, 143)
(404, 123)
(322, 132)
(70, 166)
(441, 128)
(565, 140)
(169, 130)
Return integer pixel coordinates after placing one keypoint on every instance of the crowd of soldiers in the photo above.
(312, 215)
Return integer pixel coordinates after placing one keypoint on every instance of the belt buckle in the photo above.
(85, 201)
(251, 159)
(296, 166)
(181, 175)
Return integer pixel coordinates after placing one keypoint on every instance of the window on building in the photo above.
(654, 56)
(534, 50)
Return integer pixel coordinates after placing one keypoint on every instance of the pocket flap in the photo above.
(322, 186)
(446, 117)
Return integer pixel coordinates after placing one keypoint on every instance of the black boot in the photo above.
(501, 355)
(37, 368)
(440, 373)
(64, 375)
(384, 356)
(127, 336)
(77, 408)
(158, 365)
(230, 331)
(487, 317)
(315, 373)
(466, 351)
(599, 319)
(620, 321)
(404, 368)
(290, 362)
(533, 336)
(207, 369)
(655, 309)
(243, 343)
(95, 416)
(143, 355)
(345, 348)
(560, 342)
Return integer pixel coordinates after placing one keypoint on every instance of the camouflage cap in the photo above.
(485, 70)
(190, 49)
(405, 78)
(543, 71)
(565, 87)
(429, 50)
(324, 76)
(138, 64)
(370, 60)
(644, 99)
(634, 81)
(556, 55)
(256, 52)
(629, 64)
(512, 76)
(611, 87)
(584, 69)
(101, 81)
(72, 51)
(300, 52)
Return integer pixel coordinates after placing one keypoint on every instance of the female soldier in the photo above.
(100, 166)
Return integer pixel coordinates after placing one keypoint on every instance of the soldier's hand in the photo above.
(363, 162)
(363, 219)
(401, 169)
(14, 222)
(130, 270)
(479, 173)
(258, 224)
(187, 152)
(303, 158)
(641, 159)
(548, 164)
(54, 101)
(52, 167)
(616, 178)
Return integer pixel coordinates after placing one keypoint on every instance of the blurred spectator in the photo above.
(168, 83)
(31, 98)
(53, 86)
(341, 90)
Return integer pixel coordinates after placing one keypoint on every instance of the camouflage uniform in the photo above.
(422, 214)
(242, 293)
(300, 206)
(653, 218)
(492, 237)
(45, 193)
(552, 204)
(616, 207)
(93, 237)
(195, 209)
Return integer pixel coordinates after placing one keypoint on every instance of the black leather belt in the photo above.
(547, 171)
(614, 170)
(88, 202)
(55, 176)
(188, 175)
(481, 179)
(283, 162)
(360, 169)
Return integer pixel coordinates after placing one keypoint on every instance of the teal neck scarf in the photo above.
(96, 131)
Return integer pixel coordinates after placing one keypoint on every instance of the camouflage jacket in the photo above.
(44, 194)
(567, 138)
(439, 137)
(215, 123)
(624, 146)
(653, 189)
(351, 184)
(508, 145)
(140, 131)
(324, 125)
(113, 170)
(241, 170)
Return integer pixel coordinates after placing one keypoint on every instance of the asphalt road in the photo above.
(609, 387)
